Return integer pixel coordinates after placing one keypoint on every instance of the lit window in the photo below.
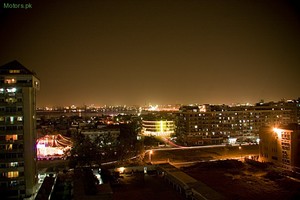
(11, 119)
(2, 119)
(11, 137)
(11, 89)
(10, 80)
(11, 100)
(1, 90)
(9, 147)
(13, 164)
(36, 84)
(13, 174)
(14, 183)
(14, 71)
(19, 118)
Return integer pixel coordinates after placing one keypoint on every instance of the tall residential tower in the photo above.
(18, 173)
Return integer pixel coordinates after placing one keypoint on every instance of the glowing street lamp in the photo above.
(240, 149)
(150, 153)
(278, 131)
(121, 170)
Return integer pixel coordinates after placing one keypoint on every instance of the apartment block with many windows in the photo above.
(213, 124)
(18, 173)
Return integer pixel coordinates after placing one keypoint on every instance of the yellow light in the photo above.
(151, 151)
(277, 131)
(121, 170)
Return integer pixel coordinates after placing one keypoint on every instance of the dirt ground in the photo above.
(237, 180)
(204, 154)
(144, 187)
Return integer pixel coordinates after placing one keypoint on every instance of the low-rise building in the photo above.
(281, 146)
(164, 128)
(186, 185)
(106, 135)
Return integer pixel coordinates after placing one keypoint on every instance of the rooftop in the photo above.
(14, 67)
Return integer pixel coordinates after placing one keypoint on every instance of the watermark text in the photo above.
(17, 6)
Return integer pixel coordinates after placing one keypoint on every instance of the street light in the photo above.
(121, 170)
(240, 148)
(150, 153)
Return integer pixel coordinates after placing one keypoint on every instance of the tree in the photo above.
(84, 151)
(150, 141)
(128, 143)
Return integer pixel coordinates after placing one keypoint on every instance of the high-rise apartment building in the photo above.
(18, 173)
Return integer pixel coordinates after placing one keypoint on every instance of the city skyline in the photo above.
(158, 52)
(155, 106)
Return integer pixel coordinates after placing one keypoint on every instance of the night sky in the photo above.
(156, 51)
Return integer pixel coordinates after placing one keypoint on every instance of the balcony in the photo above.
(12, 179)
(16, 187)
(18, 84)
(7, 123)
(12, 160)
(11, 141)
(8, 113)
(4, 103)
(12, 150)
(8, 169)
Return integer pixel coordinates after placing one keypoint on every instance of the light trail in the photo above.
(183, 148)
(197, 147)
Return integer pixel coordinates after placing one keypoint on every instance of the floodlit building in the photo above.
(18, 173)
(281, 146)
(164, 128)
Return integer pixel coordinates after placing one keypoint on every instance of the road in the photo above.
(196, 153)
(190, 155)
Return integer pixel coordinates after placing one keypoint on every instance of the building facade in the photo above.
(18, 173)
(163, 128)
(107, 135)
(214, 124)
(281, 146)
